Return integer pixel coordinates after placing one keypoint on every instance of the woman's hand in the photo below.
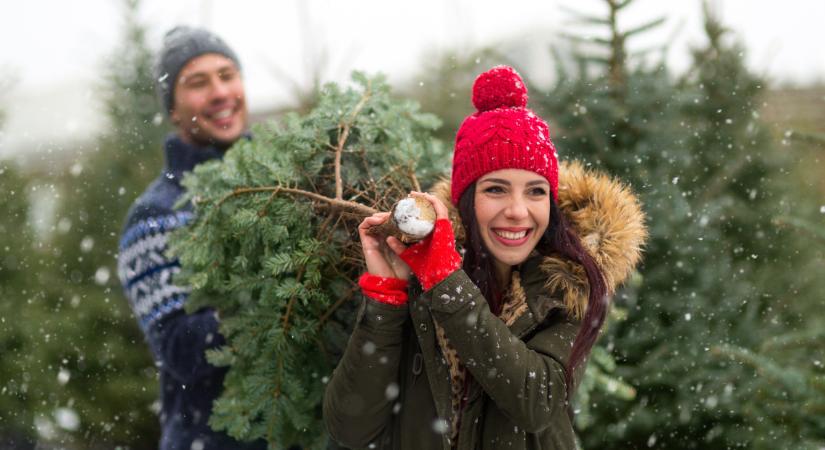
(441, 211)
(434, 258)
(380, 260)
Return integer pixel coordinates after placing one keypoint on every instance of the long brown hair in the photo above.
(558, 240)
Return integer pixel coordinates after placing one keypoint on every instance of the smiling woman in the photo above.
(485, 349)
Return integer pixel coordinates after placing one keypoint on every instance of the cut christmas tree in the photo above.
(274, 247)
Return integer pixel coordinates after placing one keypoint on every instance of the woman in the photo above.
(485, 351)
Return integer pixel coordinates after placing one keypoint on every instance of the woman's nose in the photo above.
(517, 209)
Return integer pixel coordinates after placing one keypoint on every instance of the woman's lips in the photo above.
(512, 237)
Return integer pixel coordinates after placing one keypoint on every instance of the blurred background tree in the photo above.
(81, 375)
(715, 275)
(16, 288)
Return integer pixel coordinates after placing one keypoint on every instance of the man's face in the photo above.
(209, 105)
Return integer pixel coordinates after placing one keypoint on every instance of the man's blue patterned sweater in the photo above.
(189, 384)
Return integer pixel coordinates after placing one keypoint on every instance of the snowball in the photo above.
(407, 216)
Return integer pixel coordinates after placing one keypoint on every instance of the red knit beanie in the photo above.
(502, 134)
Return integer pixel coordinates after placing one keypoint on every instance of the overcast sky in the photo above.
(53, 48)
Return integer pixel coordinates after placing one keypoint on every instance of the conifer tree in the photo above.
(274, 247)
(90, 380)
(16, 287)
(113, 376)
(742, 190)
(710, 288)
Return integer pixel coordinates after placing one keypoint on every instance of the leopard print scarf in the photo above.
(515, 304)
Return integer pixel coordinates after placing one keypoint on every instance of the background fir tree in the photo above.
(114, 380)
(20, 263)
(715, 265)
(782, 403)
(443, 84)
(16, 242)
(274, 247)
(82, 374)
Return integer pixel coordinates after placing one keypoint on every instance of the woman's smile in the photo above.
(512, 236)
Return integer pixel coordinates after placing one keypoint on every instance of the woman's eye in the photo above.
(539, 192)
(494, 190)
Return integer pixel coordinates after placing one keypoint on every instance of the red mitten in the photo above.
(434, 258)
(392, 291)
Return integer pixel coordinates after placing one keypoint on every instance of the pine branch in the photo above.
(802, 224)
(336, 305)
(262, 212)
(291, 303)
(723, 179)
(645, 27)
(808, 137)
(413, 178)
(343, 134)
(337, 204)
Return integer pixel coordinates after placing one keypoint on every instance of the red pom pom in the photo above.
(499, 87)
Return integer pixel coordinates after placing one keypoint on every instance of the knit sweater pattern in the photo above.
(178, 340)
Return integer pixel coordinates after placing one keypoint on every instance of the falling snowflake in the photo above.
(102, 275)
(63, 376)
(440, 425)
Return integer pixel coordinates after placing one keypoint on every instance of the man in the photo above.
(200, 85)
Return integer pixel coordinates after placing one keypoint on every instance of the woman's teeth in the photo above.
(512, 235)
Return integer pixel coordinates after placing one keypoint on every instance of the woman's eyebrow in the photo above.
(507, 183)
(495, 180)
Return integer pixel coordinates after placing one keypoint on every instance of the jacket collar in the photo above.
(540, 301)
(183, 157)
(608, 219)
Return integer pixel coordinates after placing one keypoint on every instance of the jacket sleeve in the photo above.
(179, 343)
(177, 340)
(524, 379)
(358, 400)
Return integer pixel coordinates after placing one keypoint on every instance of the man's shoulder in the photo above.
(154, 211)
(161, 194)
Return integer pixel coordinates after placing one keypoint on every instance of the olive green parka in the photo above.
(392, 387)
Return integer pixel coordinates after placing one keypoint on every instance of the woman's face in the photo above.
(512, 208)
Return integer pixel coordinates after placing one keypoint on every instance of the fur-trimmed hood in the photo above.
(608, 219)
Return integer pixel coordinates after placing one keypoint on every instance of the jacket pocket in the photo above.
(417, 365)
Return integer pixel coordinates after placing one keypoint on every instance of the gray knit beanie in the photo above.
(180, 45)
